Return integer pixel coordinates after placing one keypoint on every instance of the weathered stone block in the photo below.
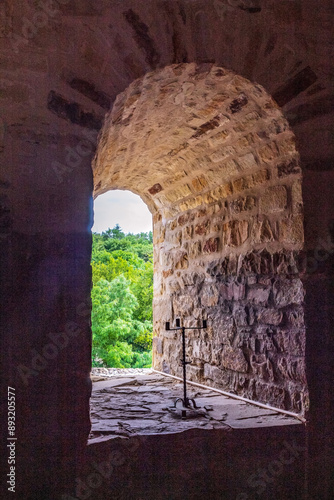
(297, 197)
(181, 260)
(292, 368)
(287, 145)
(187, 232)
(183, 305)
(216, 375)
(234, 359)
(291, 230)
(238, 103)
(195, 373)
(242, 204)
(224, 328)
(268, 153)
(275, 199)
(295, 316)
(288, 291)
(199, 184)
(262, 367)
(247, 161)
(240, 315)
(262, 231)
(235, 233)
(195, 249)
(270, 394)
(269, 316)
(232, 290)
(290, 342)
(158, 345)
(209, 296)
(211, 246)
(203, 228)
(288, 167)
(258, 294)
(167, 272)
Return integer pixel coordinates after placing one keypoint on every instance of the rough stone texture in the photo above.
(217, 201)
(136, 435)
(86, 53)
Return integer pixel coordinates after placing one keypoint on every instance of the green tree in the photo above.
(122, 298)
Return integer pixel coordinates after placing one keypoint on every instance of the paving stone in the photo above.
(148, 409)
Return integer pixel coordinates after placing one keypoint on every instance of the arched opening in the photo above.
(215, 160)
(122, 276)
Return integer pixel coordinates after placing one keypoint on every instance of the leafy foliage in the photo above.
(122, 297)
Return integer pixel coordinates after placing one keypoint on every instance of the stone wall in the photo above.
(215, 160)
(62, 67)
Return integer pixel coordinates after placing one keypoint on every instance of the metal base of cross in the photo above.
(188, 404)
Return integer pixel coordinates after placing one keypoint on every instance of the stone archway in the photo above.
(215, 160)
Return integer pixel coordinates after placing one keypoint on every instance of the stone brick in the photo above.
(183, 305)
(157, 345)
(211, 246)
(260, 177)
(225, 190)
(159, 236)
(242, 204)
(269, 316)
(258, 294)
(155, 189)
(271, 394)
(297, 197)
(295, 316)
(240, 315)
(292, 368)
(292, 230)
(203, 228)
(167, 272)
(262, 231)
(268, 153)
(234, 359)
(181, 260)
(238, 103)
(274, 199)
(178, 194)
(249, 181)
(290, 342)
(247, 121)
(199, 184)
(288, 291)
(209, 296)
(262, 367)
(287, 145)
(235, 233)
(216, 375)
(247, 161)
(288, 167)
(232, 291)
(195, 249)
(187, 232)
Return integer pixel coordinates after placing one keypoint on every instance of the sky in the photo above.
(123, 208)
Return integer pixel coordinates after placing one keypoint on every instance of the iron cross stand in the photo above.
(187, 403)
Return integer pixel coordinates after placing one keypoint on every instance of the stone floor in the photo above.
(130, 403)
